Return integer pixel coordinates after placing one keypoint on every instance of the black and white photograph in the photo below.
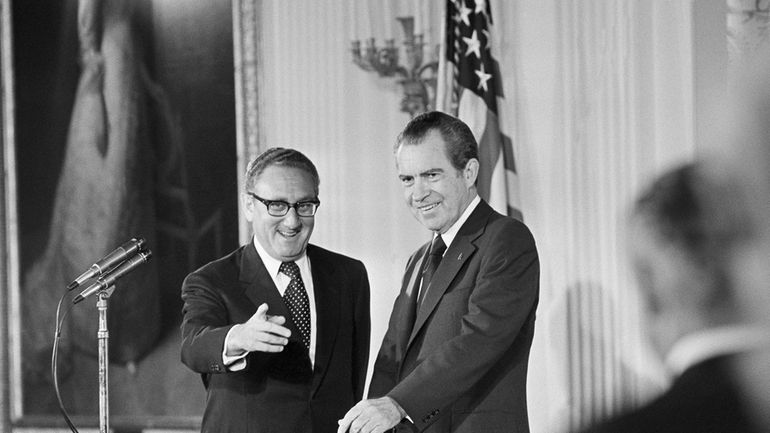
(371, 216)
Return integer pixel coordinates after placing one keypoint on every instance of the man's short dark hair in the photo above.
(671, 206)
(280, 156)
(461, 146)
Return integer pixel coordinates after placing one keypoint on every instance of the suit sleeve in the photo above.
(205, 324)
(384, 376)
(386, 364)
(206, 321)
(362, 332)
(502, 302)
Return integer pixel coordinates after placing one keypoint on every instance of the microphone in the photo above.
(107, 262)
(105, 281)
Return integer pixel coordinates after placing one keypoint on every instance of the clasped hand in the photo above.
(261, 333)
(372, 416)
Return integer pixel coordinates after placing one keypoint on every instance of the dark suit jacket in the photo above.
(462, 366)
(704, 399)
(277, 392)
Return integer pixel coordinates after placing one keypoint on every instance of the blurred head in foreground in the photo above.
(677, 262)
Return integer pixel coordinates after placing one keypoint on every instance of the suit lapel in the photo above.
(258, 285)
(327, 301)
(461, 249)
(411, 291)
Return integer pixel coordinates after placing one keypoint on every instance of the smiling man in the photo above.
(454, 358)
(279, 328)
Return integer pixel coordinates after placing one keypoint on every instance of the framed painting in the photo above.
(120, 120)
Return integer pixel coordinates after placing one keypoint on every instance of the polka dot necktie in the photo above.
(297, 300)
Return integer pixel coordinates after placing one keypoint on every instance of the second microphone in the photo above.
(105, 281)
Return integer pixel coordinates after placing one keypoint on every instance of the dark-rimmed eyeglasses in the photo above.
(278, 208)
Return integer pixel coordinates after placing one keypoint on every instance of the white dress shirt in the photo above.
(451, 233)
(281, 280)
(710, 343)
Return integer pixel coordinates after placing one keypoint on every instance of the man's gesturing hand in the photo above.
(261, 333)
(372, 416)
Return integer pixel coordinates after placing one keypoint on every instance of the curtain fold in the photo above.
(604, 102)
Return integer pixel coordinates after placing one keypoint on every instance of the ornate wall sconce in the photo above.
(748, 28)
(417, 78)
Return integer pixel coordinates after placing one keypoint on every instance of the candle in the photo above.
(418, 24)
(388, 15)
(353, 17)
(427, 21)
(369, 29)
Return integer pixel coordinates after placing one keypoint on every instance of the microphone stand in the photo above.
(103, 337)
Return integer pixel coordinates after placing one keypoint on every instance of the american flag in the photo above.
(469, 85)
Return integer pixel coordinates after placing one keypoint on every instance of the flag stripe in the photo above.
(489, 152)
(473, 97)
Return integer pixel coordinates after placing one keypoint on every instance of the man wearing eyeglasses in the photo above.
(279, 328)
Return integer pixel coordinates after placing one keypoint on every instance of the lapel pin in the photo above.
(460, 256)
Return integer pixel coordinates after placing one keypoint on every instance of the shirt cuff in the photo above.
(233, 362)
(400, 408)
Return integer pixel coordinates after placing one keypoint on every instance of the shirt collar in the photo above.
(710, 343)
(450, 234)
(273, 265)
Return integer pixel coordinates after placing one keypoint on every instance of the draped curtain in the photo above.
(604, 96)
